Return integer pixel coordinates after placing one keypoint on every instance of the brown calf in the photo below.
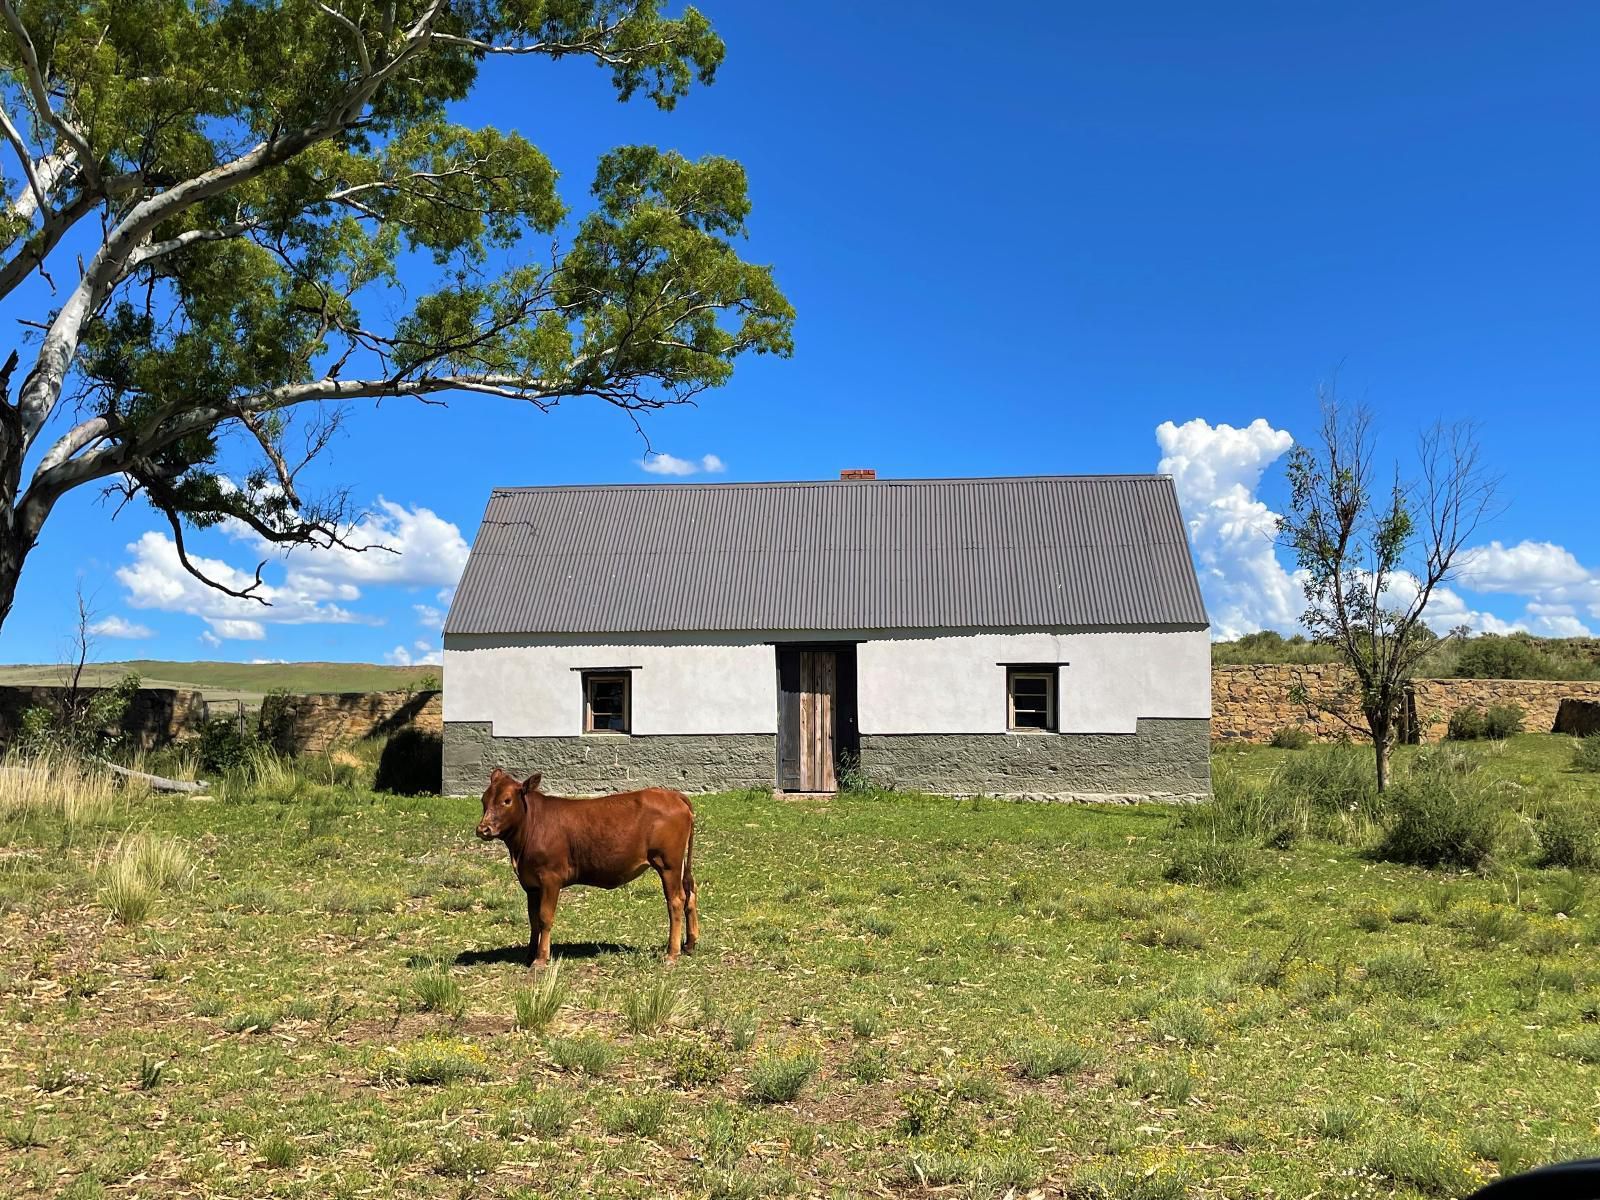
(606, 841)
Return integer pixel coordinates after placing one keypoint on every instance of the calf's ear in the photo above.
(532, 783)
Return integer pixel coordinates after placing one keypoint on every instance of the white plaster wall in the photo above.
(954, 683)
(532, 687)
(913, 682)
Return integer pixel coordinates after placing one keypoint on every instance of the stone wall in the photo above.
(601, 763)
(1250, 703)
(156, 717)
(1169, 758)
(1435, 699)
(316, 723)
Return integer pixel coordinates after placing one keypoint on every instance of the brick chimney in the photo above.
(858, 473)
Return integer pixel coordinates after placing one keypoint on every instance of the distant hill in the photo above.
(238, 681)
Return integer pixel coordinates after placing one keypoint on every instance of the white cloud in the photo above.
(668, 464)
(429, 616)
(239, 631)
(155, 578)
(421, 653)
(120, 627)
(257, 662)
(1525, 568)
(405, 546)
(208, 638)
(1217, 470)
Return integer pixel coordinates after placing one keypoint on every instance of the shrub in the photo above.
(434, 1060)
(1405, 973)
(224, 746)
(1569, 836)
(1466, 725)
(695, 1064)
(1338, 786)
(1291, 737)
(1209, 864)
(1429, 1165)
(1502, 720)
(141, 867)
(1040, 1058)
(438, 992)
(777, 1078)
(1586, 754)
(537, 1005)
(278, 1151)
(1442, 812)
(582, 1055)
(650, 1007)
(642, 1116)
(1250, 810)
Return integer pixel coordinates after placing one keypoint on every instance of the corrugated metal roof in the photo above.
(1075, 550)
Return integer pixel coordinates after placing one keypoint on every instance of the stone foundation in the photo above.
(586, 765)
(1167, 759)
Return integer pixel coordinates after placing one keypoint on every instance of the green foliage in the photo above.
(224, 746)
(584, 1055)
(1209, 864)
(1444, 811)
(538, 1005)
(1586, 754)
(695, 1064)
(1498, 721)
(84, 722)
(1291, 737)
(1523, 656)
(1269, 646)
(652, 1006)
(1040, 1058)
(1569, 836)
(1338, 784)
(779, 1076)
(309, 211)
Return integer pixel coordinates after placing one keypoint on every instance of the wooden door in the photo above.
(808, 715)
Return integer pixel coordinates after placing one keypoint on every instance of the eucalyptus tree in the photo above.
(217, 213)
(1373, 555)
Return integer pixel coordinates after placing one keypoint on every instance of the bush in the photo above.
(1339, 785)
(1291, 737)
(778, 1078)
(412, 763)
(224, 747)
(1209, 864)
(1243, 809)
(1502, 720)
(1467, 725)
(537, 1005)
(1586, 754)
(1569, 836)
(1443, 812)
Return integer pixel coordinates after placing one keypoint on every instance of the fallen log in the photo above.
(160, 783)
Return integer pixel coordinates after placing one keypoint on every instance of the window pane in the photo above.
(607, 703)
(1032, 700)
(1032, 720)
(1030, 687)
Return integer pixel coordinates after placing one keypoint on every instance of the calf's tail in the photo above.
(688, 854)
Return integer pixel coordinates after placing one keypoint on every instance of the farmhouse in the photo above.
(1039, 637)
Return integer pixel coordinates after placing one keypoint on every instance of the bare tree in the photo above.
(1373, 556)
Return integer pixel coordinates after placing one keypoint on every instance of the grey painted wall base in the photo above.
(1167, 759)
(600, 763)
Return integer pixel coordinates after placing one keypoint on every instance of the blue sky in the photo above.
(1020, 244)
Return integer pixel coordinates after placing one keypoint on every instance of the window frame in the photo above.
(607, 675)
(1051, 674)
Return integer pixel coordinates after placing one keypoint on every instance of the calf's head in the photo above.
(505, 803)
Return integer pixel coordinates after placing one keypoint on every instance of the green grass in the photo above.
(892, 992)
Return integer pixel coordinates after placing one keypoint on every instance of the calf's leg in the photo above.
(549, 893)
(533, 923)
(672, 886)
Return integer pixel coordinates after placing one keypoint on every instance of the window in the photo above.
(1031, 699)
(606, 702)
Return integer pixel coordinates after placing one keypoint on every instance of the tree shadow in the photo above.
(518, 954)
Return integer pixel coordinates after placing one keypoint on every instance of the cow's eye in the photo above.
(505, 800)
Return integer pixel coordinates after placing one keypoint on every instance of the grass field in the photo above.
(235, 681)
(895, 995)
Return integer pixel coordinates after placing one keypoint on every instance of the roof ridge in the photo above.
(857, 483)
